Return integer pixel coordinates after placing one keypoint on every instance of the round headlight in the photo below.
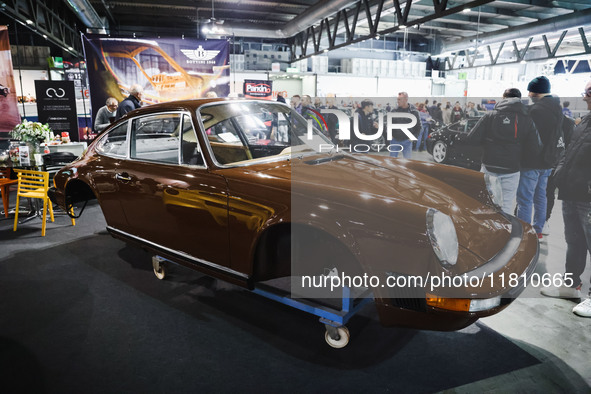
(442, 233)
(495, 189)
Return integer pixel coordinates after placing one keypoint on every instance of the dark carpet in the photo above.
(87, 315)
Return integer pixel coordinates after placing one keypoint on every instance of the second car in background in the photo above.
(447, 145)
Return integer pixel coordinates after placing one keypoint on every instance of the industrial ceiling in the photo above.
(477, 28)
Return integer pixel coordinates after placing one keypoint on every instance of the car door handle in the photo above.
(123, 177)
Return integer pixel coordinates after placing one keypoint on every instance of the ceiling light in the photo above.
(45, 36)
(29, 22)
(402, 26)
(70, 48)
(466, 10)
(326, 50)
(523, 62)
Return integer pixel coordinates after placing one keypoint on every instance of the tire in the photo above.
(440, 152)
(379, 141)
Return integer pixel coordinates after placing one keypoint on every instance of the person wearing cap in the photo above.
(546, 112)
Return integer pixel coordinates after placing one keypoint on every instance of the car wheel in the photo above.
(379, 141)
(440, 152)
(339, 339)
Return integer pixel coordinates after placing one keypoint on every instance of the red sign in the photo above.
(258, 89)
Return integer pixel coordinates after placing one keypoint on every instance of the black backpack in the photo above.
(555, 145)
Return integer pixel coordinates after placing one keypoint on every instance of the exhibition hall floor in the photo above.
(83, 312)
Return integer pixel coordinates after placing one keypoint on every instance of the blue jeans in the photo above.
(422, 138)
(531, 196)
(509, 183)
(406, 148)
(577, 233)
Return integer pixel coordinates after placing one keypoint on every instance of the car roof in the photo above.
(179, 105)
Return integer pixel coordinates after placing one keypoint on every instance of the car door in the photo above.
(470, 155)
(169, 196)
(454, 130)
(112, 152)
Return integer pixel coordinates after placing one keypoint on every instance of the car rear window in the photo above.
(115, 142)
(156, 138)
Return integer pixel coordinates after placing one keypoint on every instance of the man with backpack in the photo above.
(506, 134)
(546, 112)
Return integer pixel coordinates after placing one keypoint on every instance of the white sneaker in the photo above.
(546, 229)
(562, 292)
(583, 309)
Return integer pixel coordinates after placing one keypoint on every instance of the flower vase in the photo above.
(34, 151)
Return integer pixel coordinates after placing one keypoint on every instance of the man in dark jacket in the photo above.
(133, 101)
(546, 113)
(506, 134)
(366, 123)
(573, 178)
(398, 136)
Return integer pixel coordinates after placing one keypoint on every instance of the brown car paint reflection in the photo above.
(236, 221)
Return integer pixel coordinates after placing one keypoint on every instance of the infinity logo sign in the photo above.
(55, 92)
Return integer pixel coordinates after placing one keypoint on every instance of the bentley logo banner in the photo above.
(8, 104)
(167, 68)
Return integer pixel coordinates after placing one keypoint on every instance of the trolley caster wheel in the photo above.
(160, 268)
(337, 337)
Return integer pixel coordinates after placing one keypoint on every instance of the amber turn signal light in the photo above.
(451, 304)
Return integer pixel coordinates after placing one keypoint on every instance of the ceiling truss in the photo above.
(308, 42)
(49, 18)
(550, 51)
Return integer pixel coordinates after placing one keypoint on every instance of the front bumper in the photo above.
(518, 257)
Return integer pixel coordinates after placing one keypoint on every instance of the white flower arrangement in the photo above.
(34, 132)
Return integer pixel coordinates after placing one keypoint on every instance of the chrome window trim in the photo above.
(128, 137)
(105, 135)
(238, 164)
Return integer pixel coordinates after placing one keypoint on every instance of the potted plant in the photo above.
(33, 134)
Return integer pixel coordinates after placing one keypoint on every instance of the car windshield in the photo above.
(245, 132)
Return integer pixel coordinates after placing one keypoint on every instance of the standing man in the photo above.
(398, 136)
(457, 113)
(546, 113)
(296, 103)
(331, 120)
(366, 124)
(106, 115)
(507, 134)
(573, 178)
(133, 101)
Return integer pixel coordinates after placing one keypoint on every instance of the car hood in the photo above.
(358, 179)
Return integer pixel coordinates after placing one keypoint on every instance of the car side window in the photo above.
(156, 138)
(190, 149)
(115, 142)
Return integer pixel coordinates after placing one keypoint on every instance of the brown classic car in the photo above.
(245, 191)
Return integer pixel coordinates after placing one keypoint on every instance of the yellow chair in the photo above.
(34, 184)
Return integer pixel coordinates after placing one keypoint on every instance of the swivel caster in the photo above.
(160, 267)
(337, 337)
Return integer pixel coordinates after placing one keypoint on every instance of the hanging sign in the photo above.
(258, 89)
